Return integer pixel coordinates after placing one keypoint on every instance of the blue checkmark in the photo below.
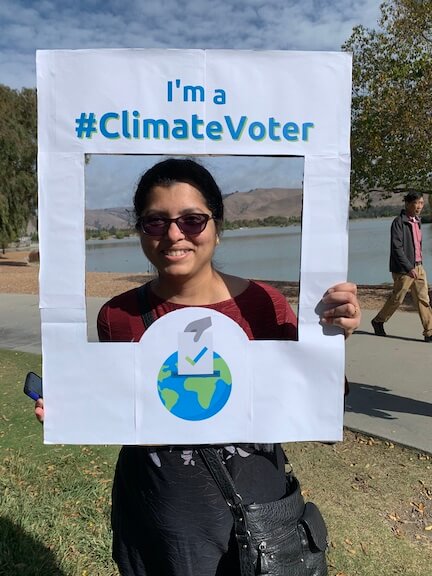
(197, 357)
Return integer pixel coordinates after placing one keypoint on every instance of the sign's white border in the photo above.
(235, 103)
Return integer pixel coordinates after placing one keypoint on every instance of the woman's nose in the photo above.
(174, 233)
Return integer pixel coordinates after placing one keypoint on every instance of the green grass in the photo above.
(55, 500)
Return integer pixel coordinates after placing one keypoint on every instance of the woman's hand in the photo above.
(39, 410)
(342, 307)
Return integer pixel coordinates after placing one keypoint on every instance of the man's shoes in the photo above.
(428, 338)
(379, 329)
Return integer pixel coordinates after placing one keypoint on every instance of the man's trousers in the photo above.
(419, 291)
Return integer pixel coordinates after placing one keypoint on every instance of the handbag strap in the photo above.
(222, 477)
(226, 485)
(144, 305)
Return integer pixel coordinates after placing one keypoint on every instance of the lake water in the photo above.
(270, 253)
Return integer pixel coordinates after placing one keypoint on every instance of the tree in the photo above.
(18, 151)
(392, 101)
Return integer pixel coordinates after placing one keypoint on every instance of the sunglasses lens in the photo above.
(192, 223)
(154, 226)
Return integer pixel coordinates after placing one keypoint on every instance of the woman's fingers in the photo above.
(342, 307)
(39, 410)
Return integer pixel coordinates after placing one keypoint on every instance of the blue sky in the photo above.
(27, 25)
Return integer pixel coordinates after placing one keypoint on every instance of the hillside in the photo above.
(261, 203)
(105, 218)
(258, 203)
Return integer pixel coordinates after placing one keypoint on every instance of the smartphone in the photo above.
(33, 386)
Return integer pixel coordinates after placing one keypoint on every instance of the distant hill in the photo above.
(258, 203)
(106, 218)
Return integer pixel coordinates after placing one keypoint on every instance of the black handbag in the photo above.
(287, 537)
(282, 538)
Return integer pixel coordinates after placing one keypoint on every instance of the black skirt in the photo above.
(168, 515)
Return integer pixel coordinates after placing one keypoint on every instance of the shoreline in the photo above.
(18, 276)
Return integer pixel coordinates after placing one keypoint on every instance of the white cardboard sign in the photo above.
(191, 102)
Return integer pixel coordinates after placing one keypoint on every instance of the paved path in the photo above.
(391, 378)
(391, 381)
(20, 321)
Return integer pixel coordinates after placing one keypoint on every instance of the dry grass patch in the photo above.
(377, 499)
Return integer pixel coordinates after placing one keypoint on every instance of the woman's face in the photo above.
(176, 254)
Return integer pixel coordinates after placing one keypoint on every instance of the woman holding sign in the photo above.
(169, 516)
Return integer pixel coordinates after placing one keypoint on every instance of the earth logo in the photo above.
(194, 397)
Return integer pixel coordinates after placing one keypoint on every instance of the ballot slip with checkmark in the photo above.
(195, 358)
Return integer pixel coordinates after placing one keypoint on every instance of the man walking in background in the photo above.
(406, 267)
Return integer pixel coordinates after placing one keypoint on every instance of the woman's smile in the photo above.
(177, 253)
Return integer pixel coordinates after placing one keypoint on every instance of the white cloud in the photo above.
(239, 24)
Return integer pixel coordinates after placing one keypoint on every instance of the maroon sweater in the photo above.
(261, 310)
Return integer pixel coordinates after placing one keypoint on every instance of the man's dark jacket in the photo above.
(402, 248)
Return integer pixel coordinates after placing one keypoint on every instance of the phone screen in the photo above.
(33, 386)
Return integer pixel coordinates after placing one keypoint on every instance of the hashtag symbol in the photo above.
(85, 125)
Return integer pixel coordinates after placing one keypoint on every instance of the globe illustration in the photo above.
(194, 397)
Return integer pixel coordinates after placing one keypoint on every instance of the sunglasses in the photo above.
(189, 224)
